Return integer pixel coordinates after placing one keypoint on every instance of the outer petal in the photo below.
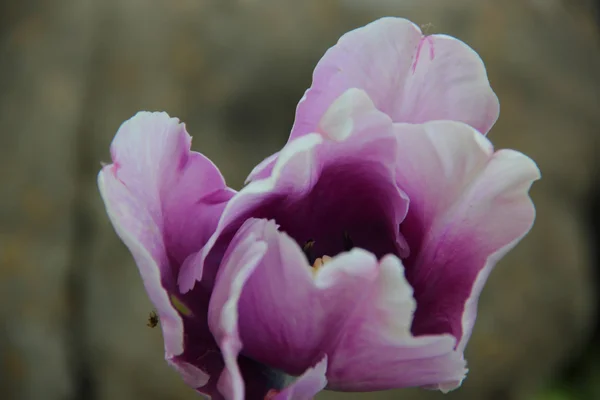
(231, 383)
(263, 169)
(377, 350)
(469, 206)
(137, 229)
(354, 310)
(356, 147)
(151, 156)
(164, 202)
(410, 77)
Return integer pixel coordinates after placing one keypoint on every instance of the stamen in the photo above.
(180, 306)
(308, 250)
(320, 263)
(348, 243)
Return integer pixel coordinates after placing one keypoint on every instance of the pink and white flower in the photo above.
(354, 258)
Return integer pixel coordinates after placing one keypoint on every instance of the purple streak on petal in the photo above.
(449, 83)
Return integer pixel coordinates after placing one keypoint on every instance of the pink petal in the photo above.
(263, 169)
(183, 191)
(355, 149)
(164, 202)
(410, 77)
(469, 206)
(137, 229)
(377, 350)
(249, 255)
(246, 254)
(311, 382)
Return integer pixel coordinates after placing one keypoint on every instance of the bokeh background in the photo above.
(72, 307)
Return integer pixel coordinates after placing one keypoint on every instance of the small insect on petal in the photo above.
(152, 320)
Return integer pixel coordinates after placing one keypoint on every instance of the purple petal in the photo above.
(358, 312)
(410, 77)
(155, 194)
(241, 378)
(341, 179)
(250, 253)
(469, 206)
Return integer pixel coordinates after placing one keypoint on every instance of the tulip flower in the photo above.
(354, 258)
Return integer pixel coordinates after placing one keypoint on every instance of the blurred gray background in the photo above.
(72, 307)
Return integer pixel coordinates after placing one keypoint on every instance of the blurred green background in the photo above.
(72, 307)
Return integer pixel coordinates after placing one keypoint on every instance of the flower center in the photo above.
(319, 262)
